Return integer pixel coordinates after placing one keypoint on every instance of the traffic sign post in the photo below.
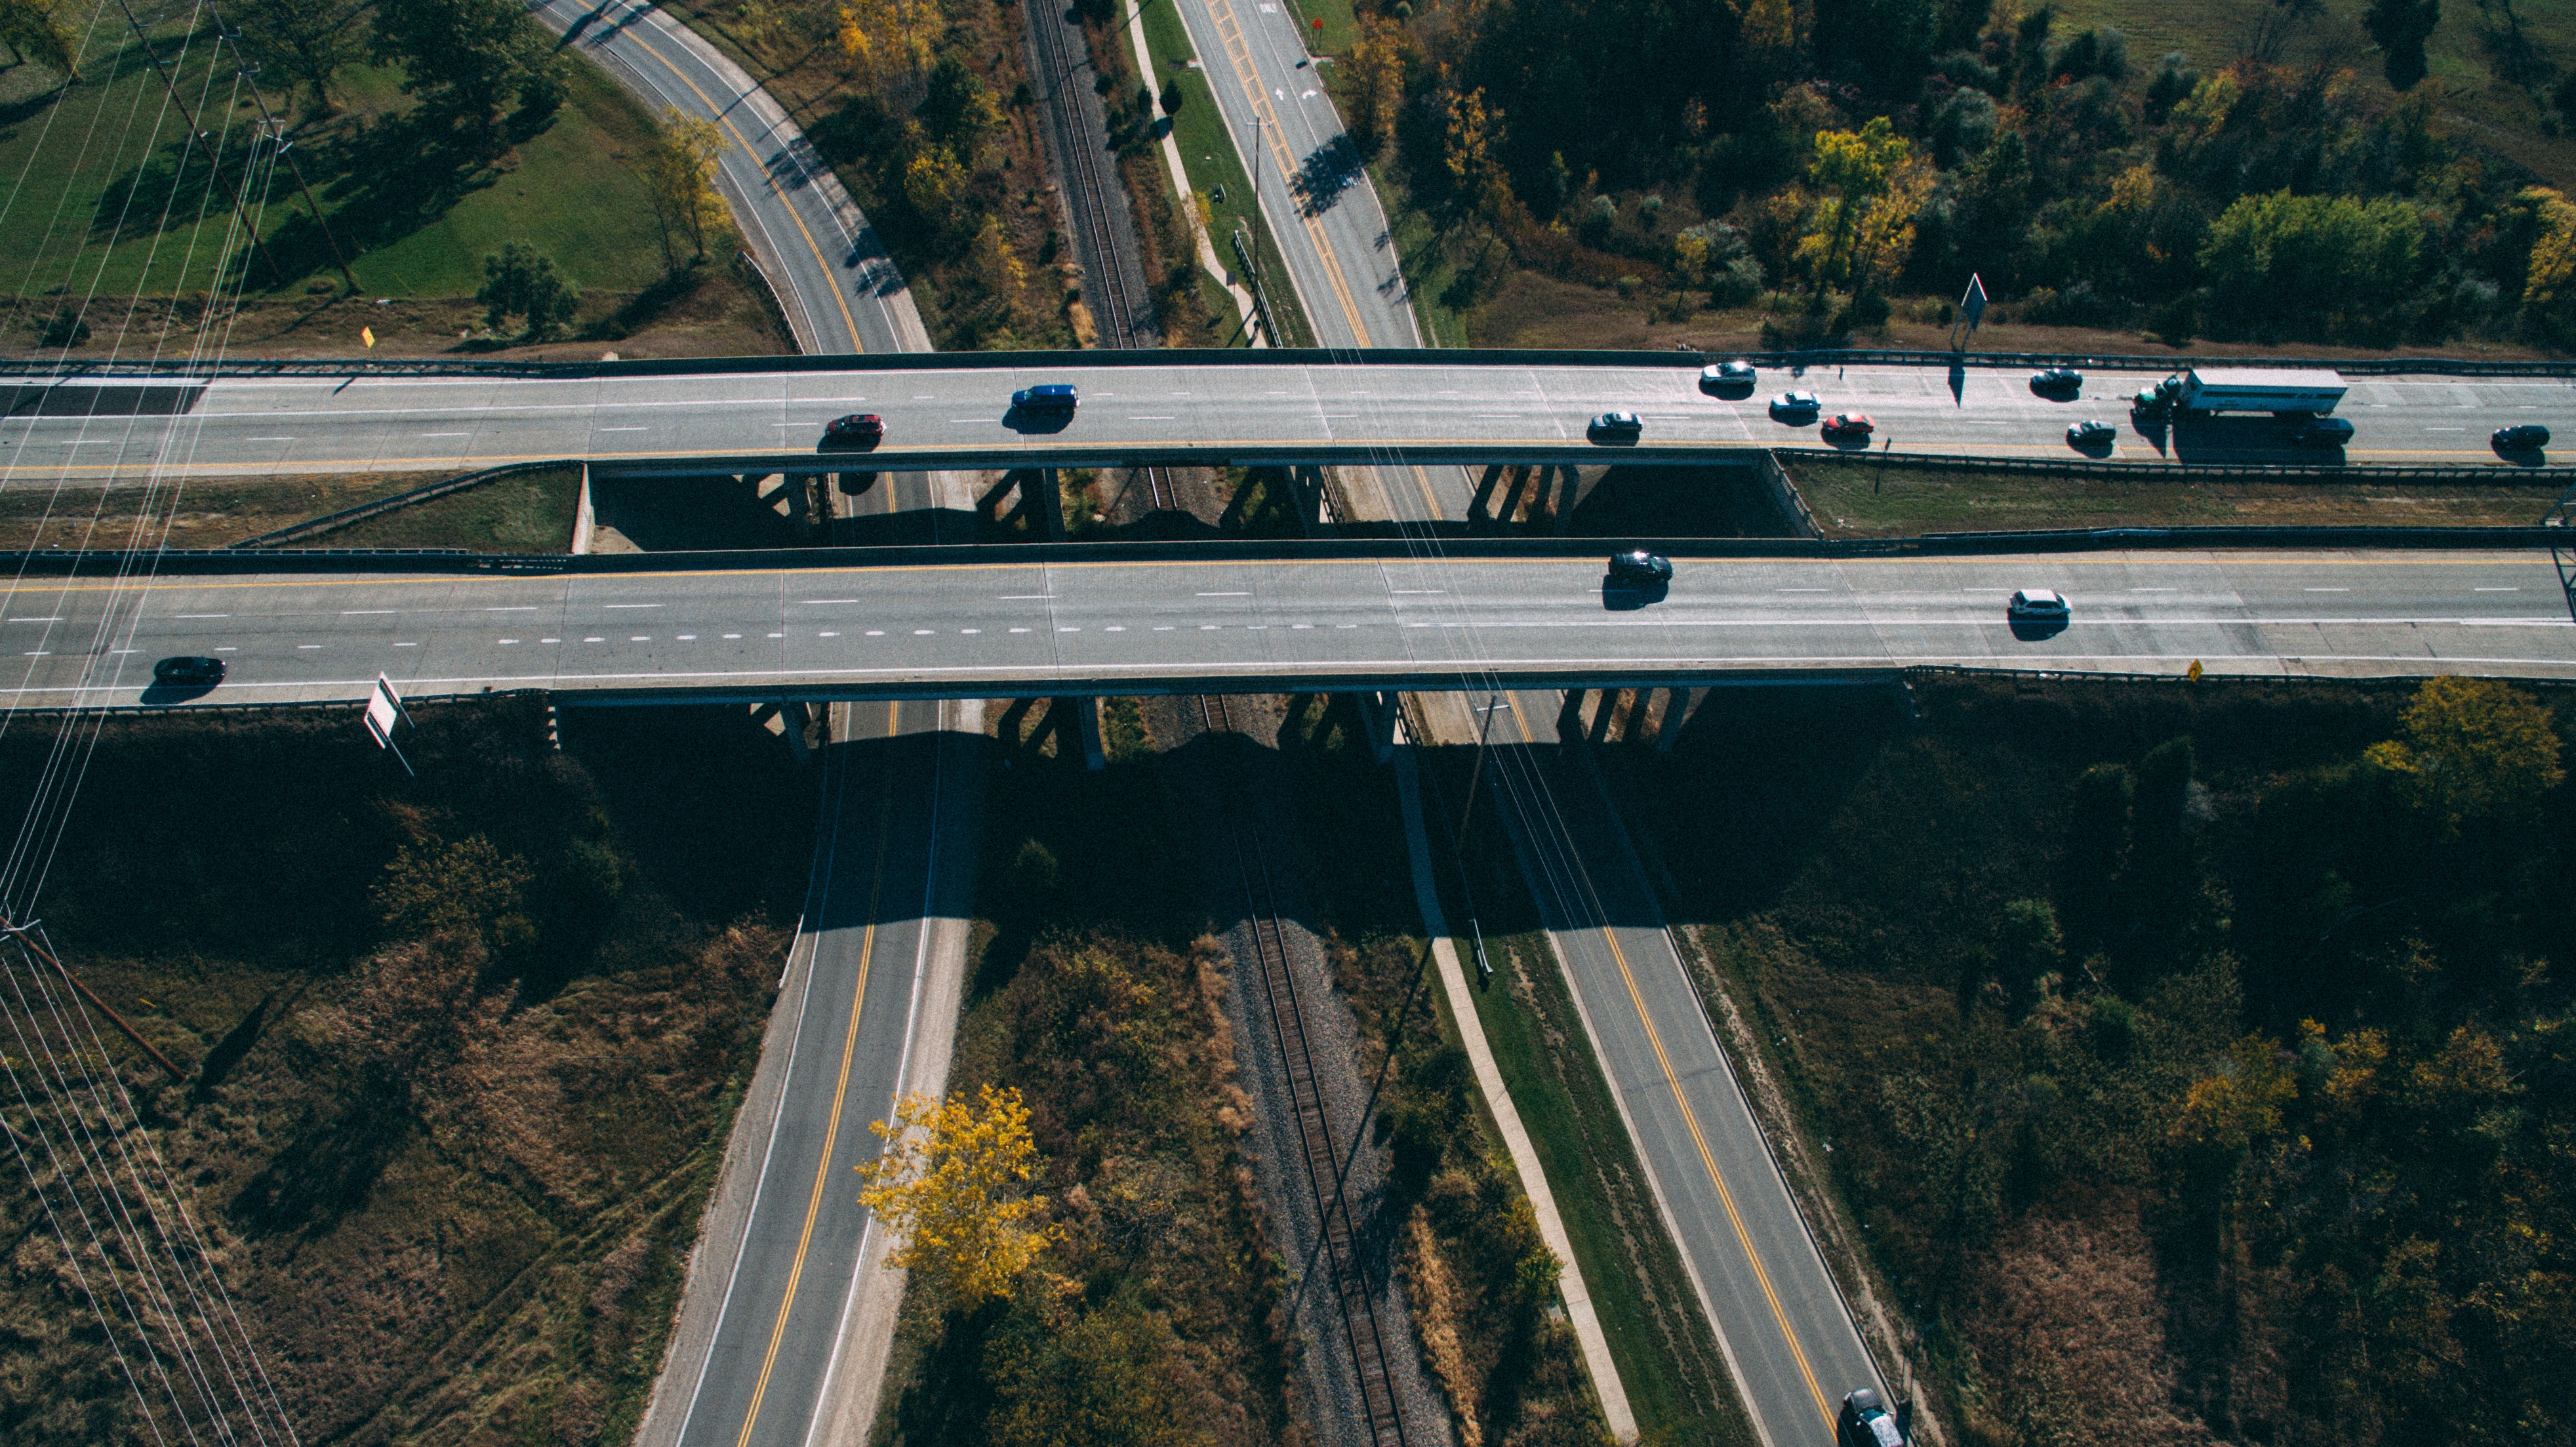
(1972, 311)
(384, 714)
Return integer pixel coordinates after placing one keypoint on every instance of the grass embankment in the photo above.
(465, 1049)
(210, 512)
(2180, 1048)
(130, 213)
(1667, 1357)
(525, 512)
(1862, 500)
(1213, 159)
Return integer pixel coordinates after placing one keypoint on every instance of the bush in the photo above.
(65, 328)
(521, 281)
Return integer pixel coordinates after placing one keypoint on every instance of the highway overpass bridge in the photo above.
(996, 627)
(944, 414)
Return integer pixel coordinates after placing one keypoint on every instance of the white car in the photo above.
(2038, 605)
(1726, 374)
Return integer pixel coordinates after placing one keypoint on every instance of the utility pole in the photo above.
(1484, 736)
(286, 148)
(22, 932)
(198, 136)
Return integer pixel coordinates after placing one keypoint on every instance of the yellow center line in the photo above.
(1238, 53)
(1708, 1160)
(723, 118)
(832, 1127)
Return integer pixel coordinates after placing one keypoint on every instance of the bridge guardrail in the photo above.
(220, 561)
(2494, 472)
(331, 521)
(1038, 361)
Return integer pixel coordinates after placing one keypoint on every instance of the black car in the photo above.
(2322, 432)
(1046, 397)
(859, 429)
(2057, 379)
(1866, 1422)
(2524, 437)
(1637, 566)
(188, 672)
(2092, 432)
(1617, 424)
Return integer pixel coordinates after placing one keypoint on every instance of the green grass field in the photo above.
(107, 199)
(527, 512)
(1858, 499)
(1214, 161)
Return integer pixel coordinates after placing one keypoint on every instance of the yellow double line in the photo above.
(840, 1088)
(723, 117)
(1238, 53)
(1699, 1141)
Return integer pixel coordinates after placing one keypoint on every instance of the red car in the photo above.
(1848, 424)
(859, 429)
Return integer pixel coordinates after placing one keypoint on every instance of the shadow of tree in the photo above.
(381, 180)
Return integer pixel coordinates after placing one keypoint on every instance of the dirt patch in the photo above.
(197, 514)
(711, 312)
(1853, 499)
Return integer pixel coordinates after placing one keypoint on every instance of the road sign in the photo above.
(1973, 305)
(2195, 669)
(385, 714)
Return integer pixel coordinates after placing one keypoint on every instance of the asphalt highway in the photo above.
(1340, 253)
(321, 424)
(840, 290)
(1784, 1329)
(1001, 629)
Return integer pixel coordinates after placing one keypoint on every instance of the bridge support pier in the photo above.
(1049, 501)
(1603, 714)
(1314, 498)
(1480, 507)
(1380, 711)
(1676, 713)
(1569, 481)
(1086, 723)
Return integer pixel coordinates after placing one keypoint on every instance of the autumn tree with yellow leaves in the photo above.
(948, 1186)
(680, 179)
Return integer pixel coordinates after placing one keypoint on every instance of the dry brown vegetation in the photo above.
(463, 1053)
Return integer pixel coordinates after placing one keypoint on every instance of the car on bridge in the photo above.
(2091, 432)
(1850, 424)
(1797, 406)
(859, 429)
(1639, 568)
(1619, 426)
(2057, 381)
(1046, 397)
(2038, 605)
(1727, 374)
(188, 672)
(2524, 437)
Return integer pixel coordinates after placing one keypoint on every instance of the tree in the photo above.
(304, 42)
(464, 58)
(2334, 262)
(889, 36)
(2474, 748)
(944, 1185)
(34, 30)
(521, 281)
(679, 177)
(1374, 71)
(2239, 1102)
(2400, 28)
(2549, 278)
(1856, 169)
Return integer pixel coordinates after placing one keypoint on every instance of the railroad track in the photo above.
(1116, 292)
(1316, 1151)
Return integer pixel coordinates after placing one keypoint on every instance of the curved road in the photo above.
(841, 291)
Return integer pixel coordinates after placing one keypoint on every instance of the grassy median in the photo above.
(1872, 500)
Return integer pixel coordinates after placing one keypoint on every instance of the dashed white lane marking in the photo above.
(1225, 595)
(630, 605)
